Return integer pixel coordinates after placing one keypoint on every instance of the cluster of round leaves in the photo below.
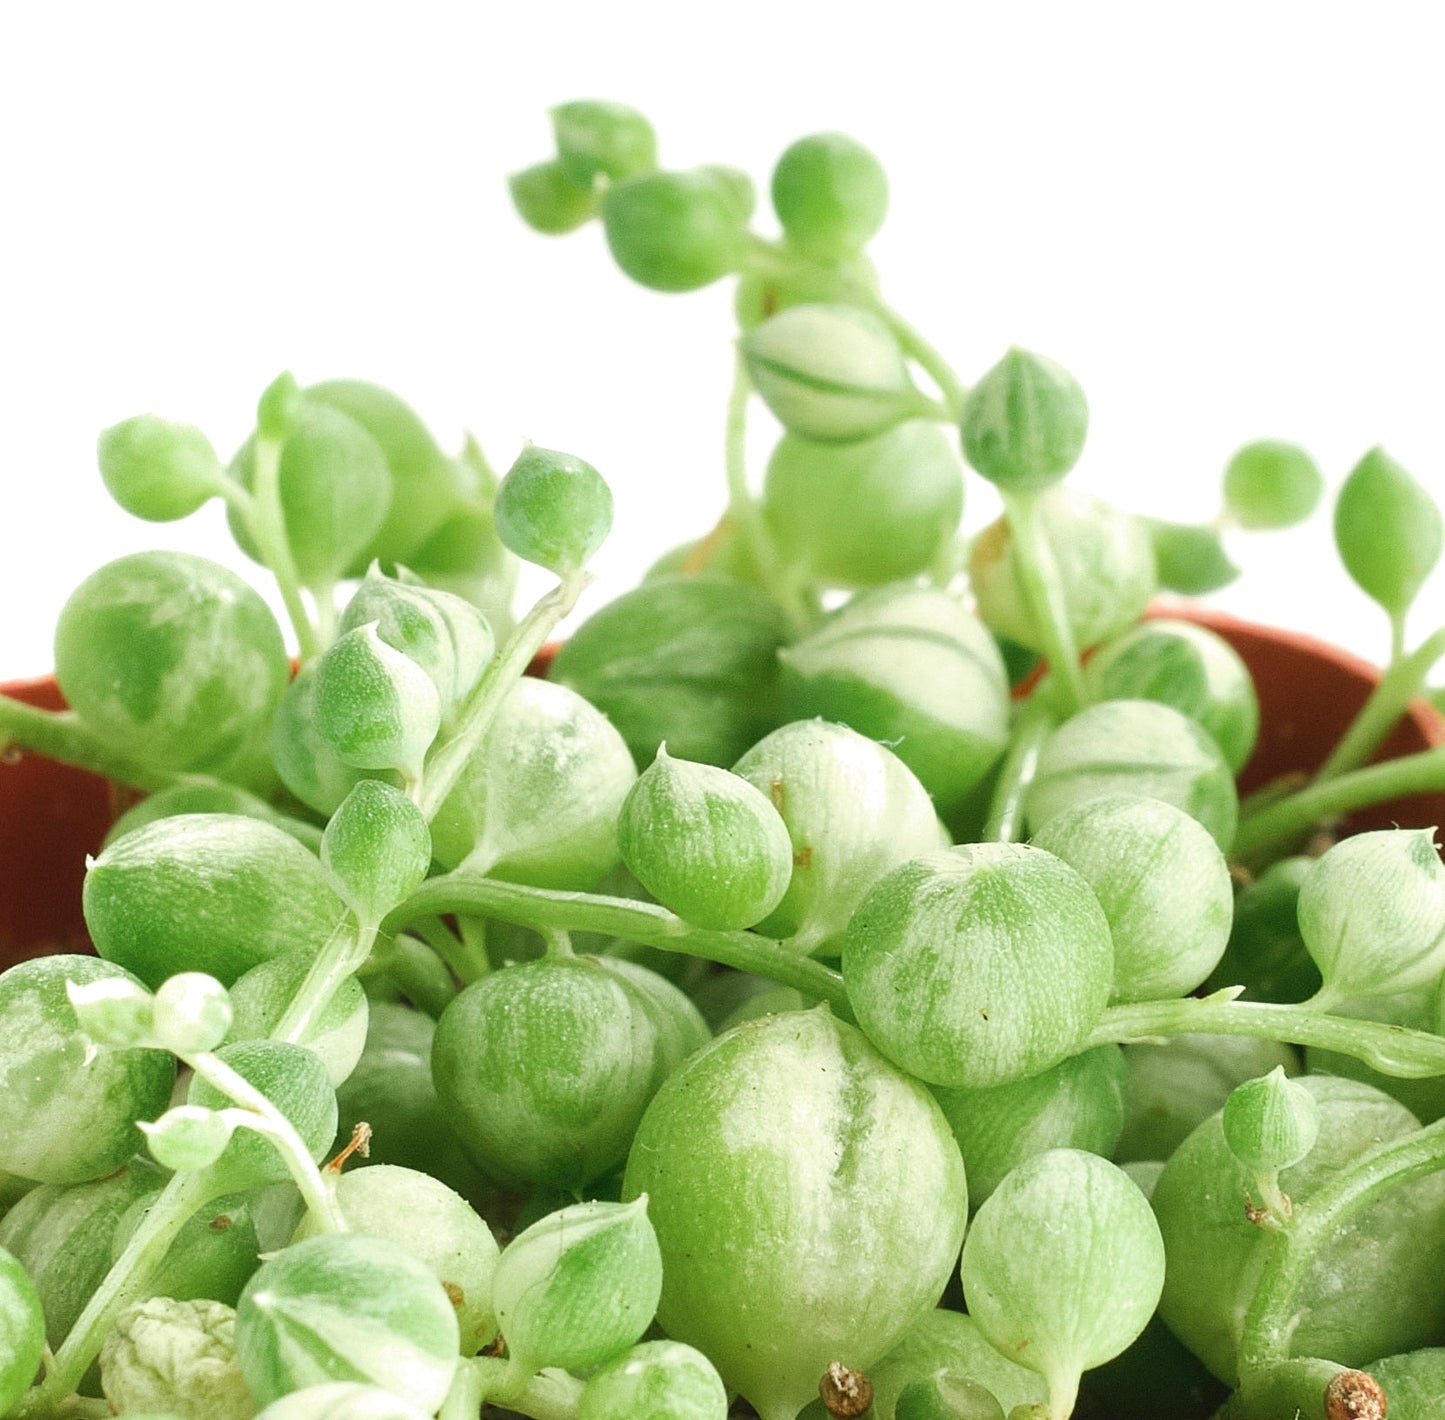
(838, 1163)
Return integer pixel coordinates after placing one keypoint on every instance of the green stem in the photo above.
(1271, 1319)
(918, 348)
(125, 1283)
(465, 954)
(266, 1119)
(1397, 637)
(547, 1395)
(1044, 592)
(266, 522)
(342, 954)
(1387, 703)
(60, 735)
(467, 891)
(1287, 819)
(1035, 724)
(445, 765)
(1394, 1050)
(743, 508)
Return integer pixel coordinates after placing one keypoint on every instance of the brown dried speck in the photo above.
(220, 1223)
(776, 792)
(1354, 1395)
(455, 1295)
(803, 858)
(845, 1392)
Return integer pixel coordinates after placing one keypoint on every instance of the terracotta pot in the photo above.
(51, 816)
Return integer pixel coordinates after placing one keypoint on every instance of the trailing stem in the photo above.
(1271, 1320)
(545, 910)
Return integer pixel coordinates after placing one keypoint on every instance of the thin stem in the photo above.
(60, 735)
(126, 1282)
(743, 508)
(917, 347)
(1394, 1050)
(342, 954)
(1270, 1322)
(549, 1394)
(445, 765)
(1388, 701)
(268, 1120)
(465, 954)
(1006, 808)
(1287, 819)
(1397, 637)
(467, 891)
(1044, 591)
(266, 522)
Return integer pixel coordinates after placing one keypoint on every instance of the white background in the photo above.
(1226, 219)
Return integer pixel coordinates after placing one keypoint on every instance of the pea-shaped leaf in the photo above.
(1388, 530)
(862, 513)
(1189, 667)
(656, 1380)
(1174, 1086)
(447, 637)
(786, 1164)
(376, 849)
(579, 1286)
(553, 509)
(165, 1355)
(538, 800)
(1063, 1267)
(216, 893)
(853, 810)
(1270, 1123)
(1076, 1104)
(375, 707)
(173, 659)
(427, 487)
(23, 1328)
(913, 669)
(1105, 562)
(1137, 747)
(705, 843)
(545, 1068)
(598, 137)
(158, 470)
(1163, 885)
(294, 1080)
(830, 194)
(950, 1342)
(1271, 483)
(830, 371)
(351, 1308)
(1024, 423)
(62, 1234)
(1372, 913)
(548, 201)
(674, 231)
(435, 1225)
(979, 964)
(214, 1254)
(689, 660)
(67, 1107)
(1190, 557)
(306, 761)
(335, 489)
